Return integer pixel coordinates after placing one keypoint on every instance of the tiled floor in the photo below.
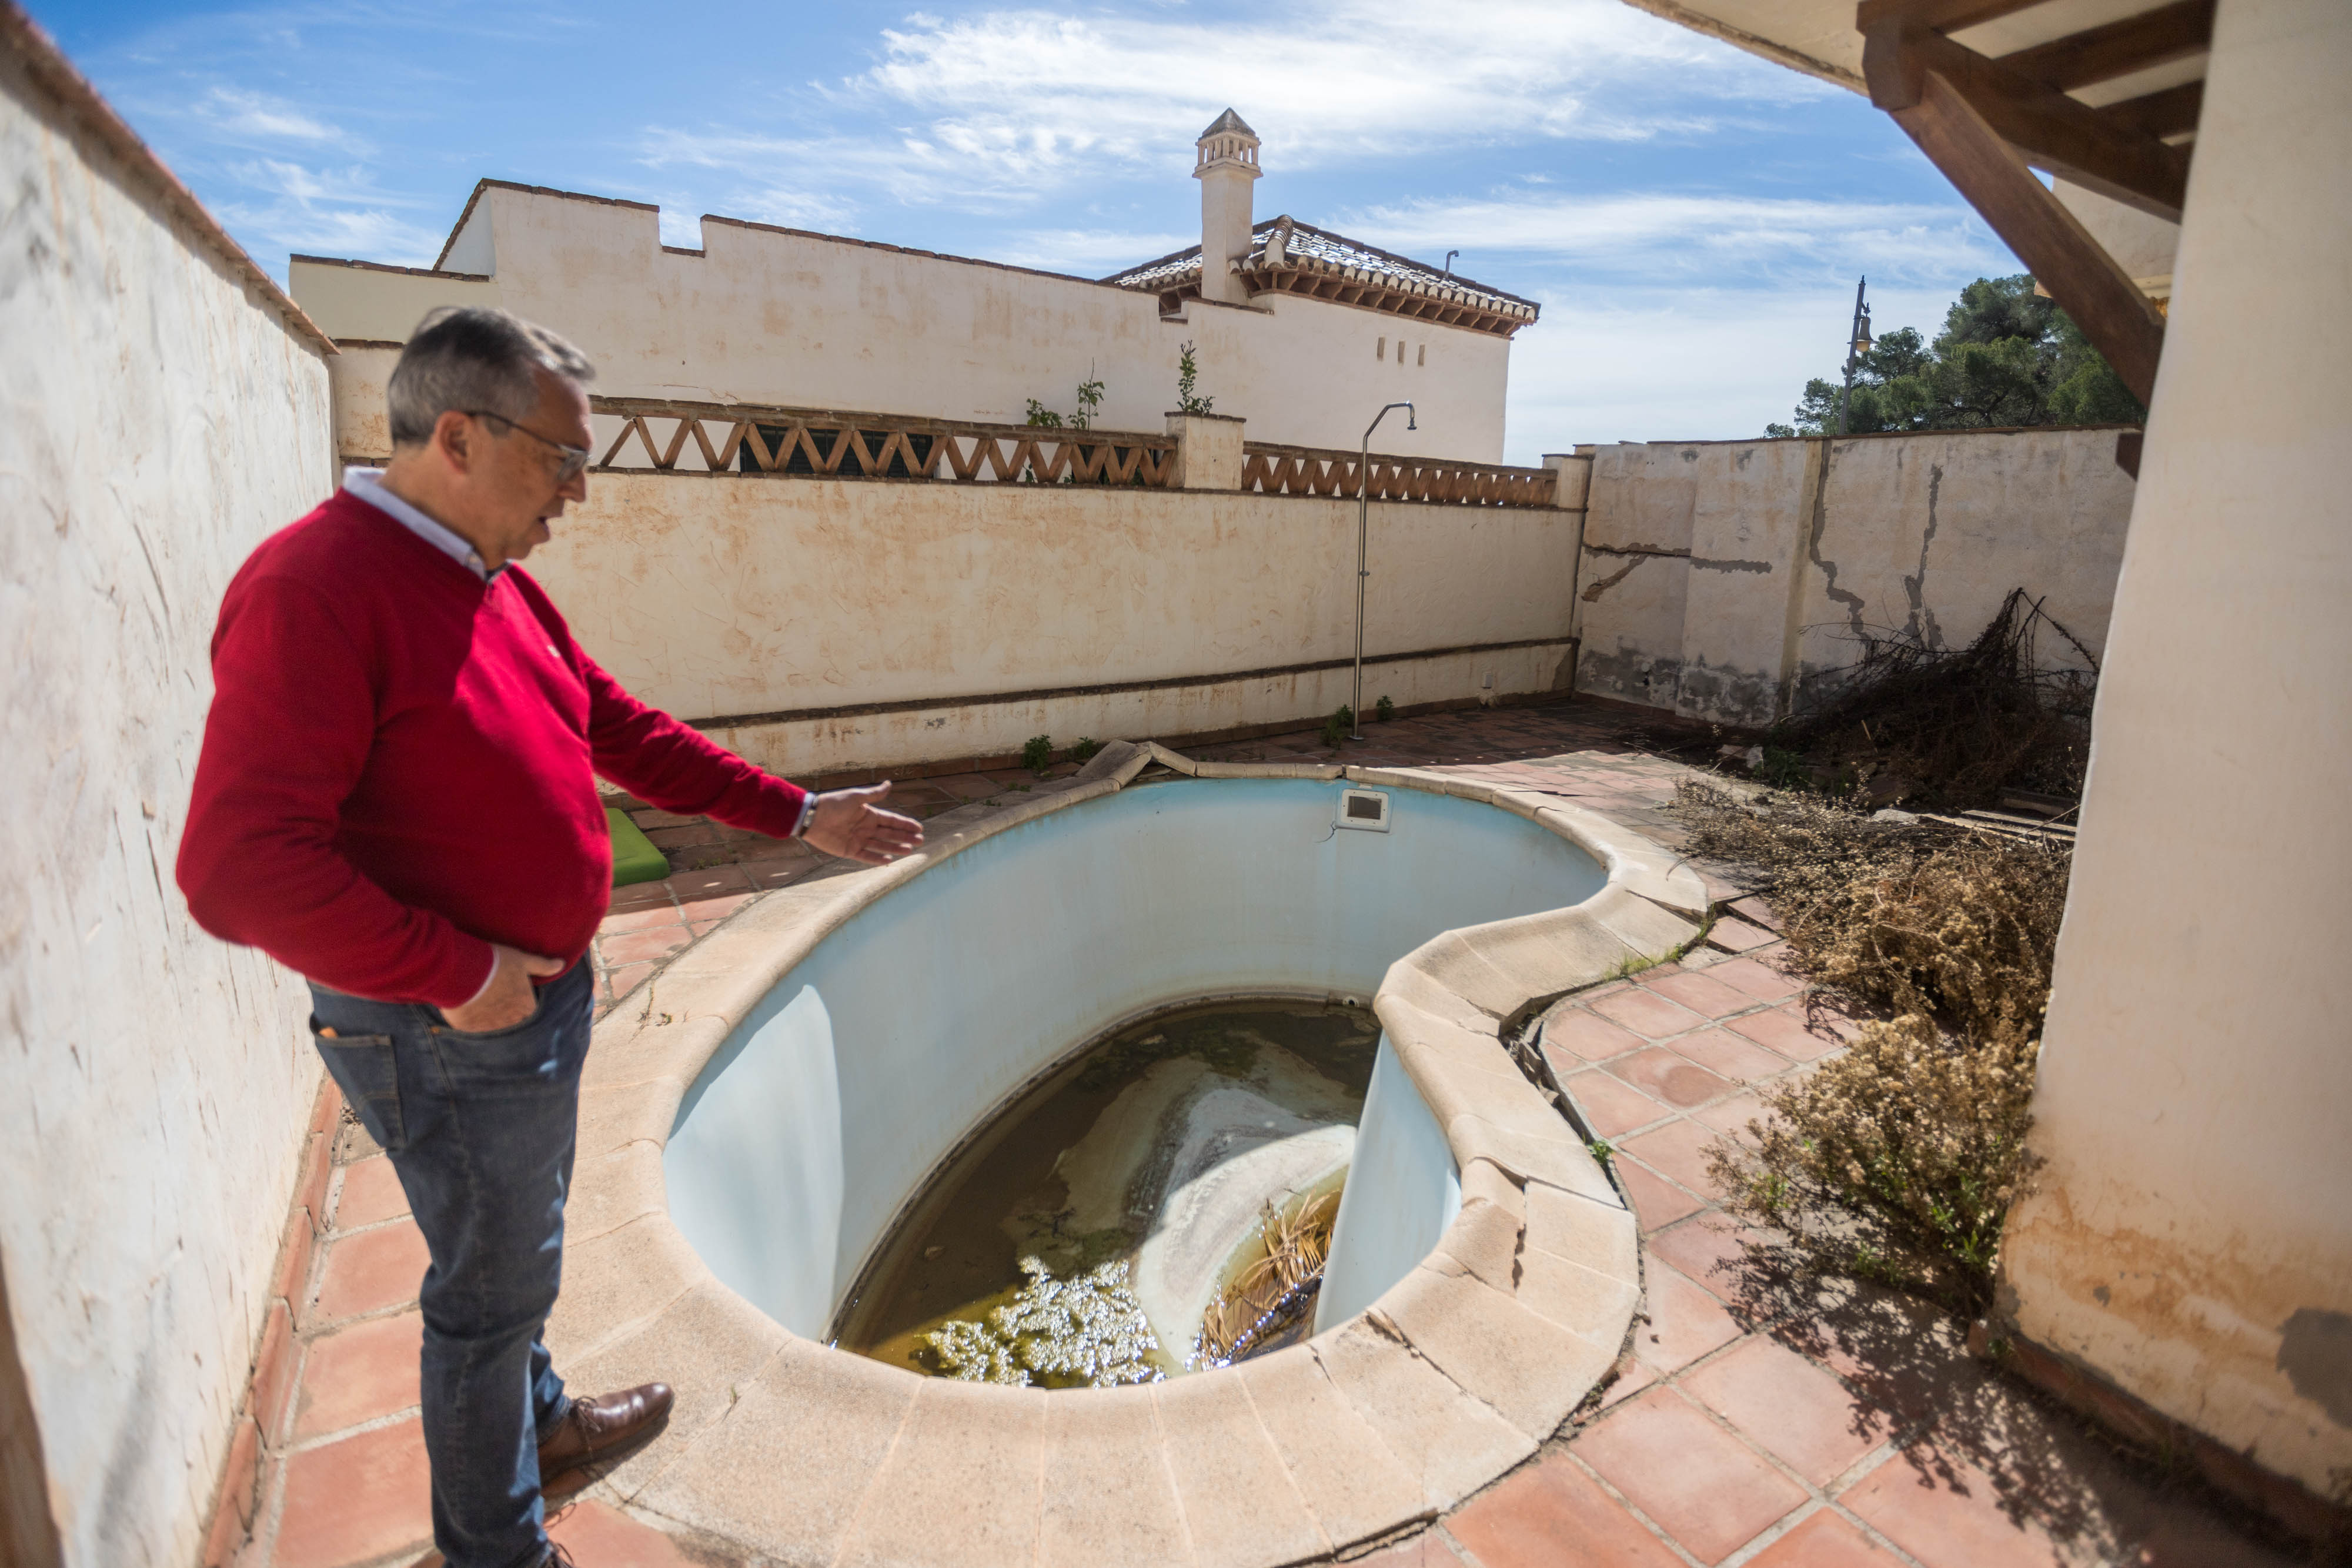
(1749, 1423)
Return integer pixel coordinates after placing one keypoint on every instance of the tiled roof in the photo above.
(1297, 257)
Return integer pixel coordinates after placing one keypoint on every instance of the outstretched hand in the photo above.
(851, 823)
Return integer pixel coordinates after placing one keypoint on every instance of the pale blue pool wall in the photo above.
(904, 1029)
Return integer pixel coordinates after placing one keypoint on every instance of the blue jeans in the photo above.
(482, 1129)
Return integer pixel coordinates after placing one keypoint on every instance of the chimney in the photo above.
(1228, 162)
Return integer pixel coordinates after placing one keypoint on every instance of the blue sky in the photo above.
(1692, 219)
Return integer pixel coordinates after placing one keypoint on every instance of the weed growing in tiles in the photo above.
(1338, 726)
(1083, 751)
(1384, 710)
(1037, 754)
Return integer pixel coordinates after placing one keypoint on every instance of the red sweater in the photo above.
(400, 766)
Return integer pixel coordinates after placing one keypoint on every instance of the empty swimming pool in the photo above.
(892, 1041)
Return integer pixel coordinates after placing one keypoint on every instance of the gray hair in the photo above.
(475, 360)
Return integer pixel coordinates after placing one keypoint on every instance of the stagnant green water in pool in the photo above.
(1077, 1240)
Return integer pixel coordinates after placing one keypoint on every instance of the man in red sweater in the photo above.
(397, 799)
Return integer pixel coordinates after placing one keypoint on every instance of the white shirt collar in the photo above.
(367, 484)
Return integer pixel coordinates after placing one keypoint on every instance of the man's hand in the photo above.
(851, 823)
(508, 999)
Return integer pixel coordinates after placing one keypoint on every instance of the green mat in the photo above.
(634, 859)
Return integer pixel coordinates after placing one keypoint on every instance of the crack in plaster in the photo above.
(1593, 592)
(1851, 600)
(1914, 588)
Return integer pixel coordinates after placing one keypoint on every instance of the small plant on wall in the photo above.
(1384, 710)
(1037, 753)
(1188, 378)
(1090, 400)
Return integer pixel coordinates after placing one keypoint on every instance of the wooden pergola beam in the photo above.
(1939, 15)
(2078, 272)
(2053, 131)
(2166, 113)
(2120, 48)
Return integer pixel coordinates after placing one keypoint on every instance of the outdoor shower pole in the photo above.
(1363, 528)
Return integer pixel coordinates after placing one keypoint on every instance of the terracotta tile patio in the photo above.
(1748, 1425)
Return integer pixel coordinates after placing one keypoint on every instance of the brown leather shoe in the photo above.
(602, 1428)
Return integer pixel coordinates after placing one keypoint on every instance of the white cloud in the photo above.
(250, 114)
(285, 207)
(1722, 238)
(370, 234)
(1009, 108)
(1336, 79)
(1090, 253)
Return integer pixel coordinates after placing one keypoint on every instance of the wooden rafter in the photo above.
(1982, 121)
(2102, 53)
(2052, 242)
(1938, 15)
(2053, 131)
(2167, 113)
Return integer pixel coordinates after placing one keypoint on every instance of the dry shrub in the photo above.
(1910, 917)
(1896, 1161)
(1957, 724)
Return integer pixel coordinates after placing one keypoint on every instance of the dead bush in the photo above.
(1910, 917)
(1896, 1161)
(1954, 726)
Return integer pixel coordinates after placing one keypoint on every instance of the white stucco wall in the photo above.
(771, 315)
(1721, 577)
(2192, 1238)
(723, 595)
(160, 418)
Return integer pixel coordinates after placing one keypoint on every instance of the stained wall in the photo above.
(1726, 579)
(875, 624)
(161, 417)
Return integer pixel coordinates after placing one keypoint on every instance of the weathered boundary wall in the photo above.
(1724, 579)
(828, 624)
(164, 409)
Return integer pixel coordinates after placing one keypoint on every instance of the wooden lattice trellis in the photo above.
(1303, 471)
(818, 443)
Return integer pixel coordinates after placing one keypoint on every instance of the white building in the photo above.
(775, 316)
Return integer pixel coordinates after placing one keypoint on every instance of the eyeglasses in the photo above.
(575, 458)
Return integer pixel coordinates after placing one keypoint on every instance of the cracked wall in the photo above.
(154, 1085)
(1727, 579)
